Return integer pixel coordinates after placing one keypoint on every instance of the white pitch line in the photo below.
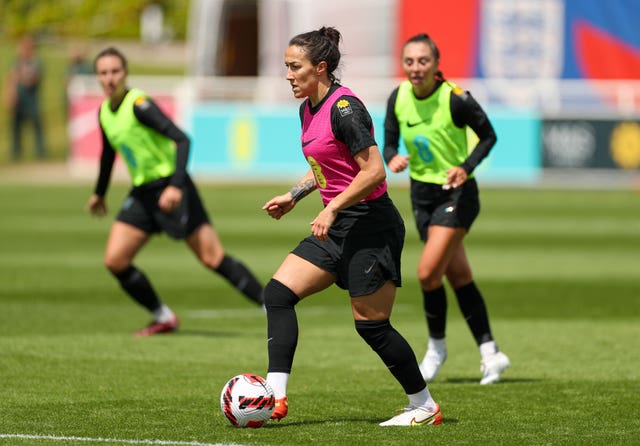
(113, 440)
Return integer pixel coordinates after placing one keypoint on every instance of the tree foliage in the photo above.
(87, 18)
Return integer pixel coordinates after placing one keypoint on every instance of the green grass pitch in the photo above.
(560, 272)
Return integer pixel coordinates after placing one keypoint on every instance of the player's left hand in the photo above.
(456, 177)
(321, 224)
(170, 199)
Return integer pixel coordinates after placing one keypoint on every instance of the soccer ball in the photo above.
(247, 400)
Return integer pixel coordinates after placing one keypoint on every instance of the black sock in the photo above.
(395, 352)
(435, 309)
(282, 325)
(475, 312)
(240, 277)
(136, 284)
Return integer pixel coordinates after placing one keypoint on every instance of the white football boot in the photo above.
(415, 416)
(430, 365)
(492, 366)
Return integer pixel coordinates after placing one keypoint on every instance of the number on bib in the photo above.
(317, 172)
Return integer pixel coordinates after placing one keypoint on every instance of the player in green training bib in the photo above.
(432, 116)
(163, 197)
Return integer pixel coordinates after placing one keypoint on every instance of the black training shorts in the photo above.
(433, 205)
(362, 261)
(140, 209)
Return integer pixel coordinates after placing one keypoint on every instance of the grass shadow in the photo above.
(502, 381)
(333, 421)
(206, 333)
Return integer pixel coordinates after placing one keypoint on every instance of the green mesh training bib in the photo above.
(433, 141)
(147, 154)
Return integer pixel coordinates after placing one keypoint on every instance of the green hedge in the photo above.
(87, 18)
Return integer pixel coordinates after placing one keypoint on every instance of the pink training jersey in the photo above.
(331, 161)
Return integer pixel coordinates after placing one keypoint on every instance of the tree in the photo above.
(87, 18)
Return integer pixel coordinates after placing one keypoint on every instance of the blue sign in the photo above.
(245, 142)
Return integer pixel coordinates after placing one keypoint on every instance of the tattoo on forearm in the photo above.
(302, 189)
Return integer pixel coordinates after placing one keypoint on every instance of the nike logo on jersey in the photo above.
(305, 143)
(413, 124)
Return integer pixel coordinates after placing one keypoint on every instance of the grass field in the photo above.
(559, 270)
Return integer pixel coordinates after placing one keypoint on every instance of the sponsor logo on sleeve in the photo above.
(344, 107)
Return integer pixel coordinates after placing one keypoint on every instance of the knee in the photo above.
(459, 281)
(459, 276)
(278, 295)
(116, 264)
(211, 258)
(429, 279)
(372, 331)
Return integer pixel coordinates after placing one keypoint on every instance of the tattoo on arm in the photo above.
(302, 189)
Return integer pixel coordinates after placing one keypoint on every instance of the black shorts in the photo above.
(455, 208)
(362, 263)
(140, 209)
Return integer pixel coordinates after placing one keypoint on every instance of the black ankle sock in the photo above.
(435, 310)
(240, 277)
(282, 325)
(394, 351)
(136, 284)
(474, 311)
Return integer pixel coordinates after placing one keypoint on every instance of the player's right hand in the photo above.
(280, 205)
(97, 206)
(398, 163)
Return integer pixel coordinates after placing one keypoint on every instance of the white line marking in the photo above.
(113, 440)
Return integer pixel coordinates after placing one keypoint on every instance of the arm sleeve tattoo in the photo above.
(302, 189)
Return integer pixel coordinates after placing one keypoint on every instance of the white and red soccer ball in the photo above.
(247, 400)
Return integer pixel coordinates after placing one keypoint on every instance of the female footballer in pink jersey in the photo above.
(356, 239)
